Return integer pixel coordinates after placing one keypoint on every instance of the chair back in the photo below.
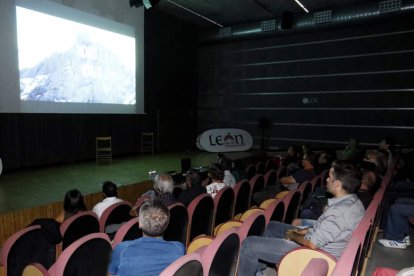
(257, 184)
(275, 211)
(296, 260)
(24, 247)
(260, 167)
(78, 226)
(305, 189)
(127, 232)
(252, 226)
(177, 227)
(115, 214)
(200, 216)
(220, 257)
(281, 172)
(88, 256)
(291, 201)
(189, 264)
(270, 165)
(250, 171)
(242, 196)
(270, 178)
(223, 205)
(316, 267)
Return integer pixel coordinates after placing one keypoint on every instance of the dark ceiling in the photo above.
(213, 13)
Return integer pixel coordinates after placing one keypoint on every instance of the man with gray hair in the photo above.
(150, 254)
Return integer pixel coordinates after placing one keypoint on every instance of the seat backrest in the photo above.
(257, 184)
(223, 205)
(200, 216)
(270, 165)
(78, 226)
(189, 264)
(242, 194)
(25, 246)
(291, 201)
(88, 256)
(177, 227)
(316, 267)
(305, 189)
(115, 214)
(127, 232)
(296, 260)
(252, 226)
(260, 167)
(275, 211)
(220, 257)
(281, 172)
(270, 178)
(250, 171)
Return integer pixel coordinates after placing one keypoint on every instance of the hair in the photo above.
(216, 172)
(368, 178)
(330, 155)
(195, 177)
(73, 202)
(226, 163)
(164, 184)
(312, 158)
(390, 141)
(109, 189)
(348, 174)
(153, 218)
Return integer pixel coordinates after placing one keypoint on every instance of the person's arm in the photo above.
(287, 180)
(298, 236)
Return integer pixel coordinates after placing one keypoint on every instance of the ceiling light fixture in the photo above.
(302, 6)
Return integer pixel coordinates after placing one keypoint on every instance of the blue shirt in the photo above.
(144, 256)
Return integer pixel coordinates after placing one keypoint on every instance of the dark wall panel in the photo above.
(321, 87)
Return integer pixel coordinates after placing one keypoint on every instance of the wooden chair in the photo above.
(103, 150)
(147, 142)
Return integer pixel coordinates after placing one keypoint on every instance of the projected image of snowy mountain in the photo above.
(64, 61)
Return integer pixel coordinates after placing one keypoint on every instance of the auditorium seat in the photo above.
(254, 225)
(275, 211)
(223, 206)
(189, 264)
(177, 227)
(128, 231)
(257, 184)
(250, 171)
(78, 226)
(25, 246)
(270, 178)
(291, 202)
(260, 167)
(114, 216)
(242, 194)
(270, 165)
(200, 216)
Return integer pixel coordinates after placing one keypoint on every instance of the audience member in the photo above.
(292, 158)
(229, 180)
(396, 234)
(331, 232)
(109, 192)
(366, 191)
(217, 175)
(307, 173)
(351, 150)
(326, 157)
(194, 188)
(72, 204)
(238, 171)
(379, 159)
(150, 254)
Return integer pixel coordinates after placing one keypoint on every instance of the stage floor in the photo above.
(33, 187)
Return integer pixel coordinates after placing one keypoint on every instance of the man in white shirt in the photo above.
(110, 194)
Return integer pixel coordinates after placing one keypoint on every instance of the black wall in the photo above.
(28, 140)
(320, 87)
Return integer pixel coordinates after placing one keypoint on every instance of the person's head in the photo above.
(220, 156)
(226, 163)
(368, 180)
(326, 157)
(306, 148)
(109, 189)
(193, 178)
(378, 158)
(344, 178)
(215, 172)
(309, 160)
(387, 143)
(353, 143)
(293, 151)
(153, 218)
(73, 202)
(164, 184)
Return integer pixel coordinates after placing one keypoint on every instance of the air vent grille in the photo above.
(225, 32)
(322, 17)
(269, 25)
(389, 6)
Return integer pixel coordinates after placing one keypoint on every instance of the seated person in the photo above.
(194, 188)
(326, 157)
(216, 175)
(292, 158)
(72, 204)
(331, 232)
(229, 180)
(150, 254)
(290, 182)
(109, 192)
(365, 192)
(238, 171)
(396, 234)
